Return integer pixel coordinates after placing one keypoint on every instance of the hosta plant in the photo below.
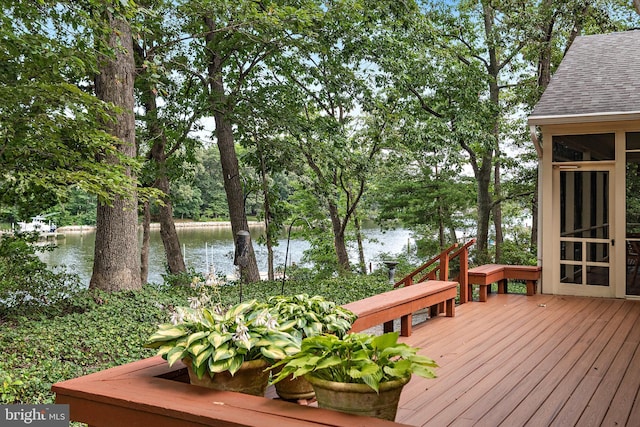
(356, 358)
(218, 340)
(308, 316)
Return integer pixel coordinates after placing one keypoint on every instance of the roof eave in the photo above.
(583, 118)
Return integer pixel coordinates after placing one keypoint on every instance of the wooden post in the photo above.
(444, 266)
(464, 275)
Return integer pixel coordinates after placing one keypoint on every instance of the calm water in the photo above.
(212, 248)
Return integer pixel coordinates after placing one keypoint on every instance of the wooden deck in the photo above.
(537, 360)
(514, 360)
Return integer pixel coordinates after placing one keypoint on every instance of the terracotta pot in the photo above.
(294, 389)
(359, 399)
(251, 378)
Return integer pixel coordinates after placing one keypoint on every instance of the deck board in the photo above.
(537, 360)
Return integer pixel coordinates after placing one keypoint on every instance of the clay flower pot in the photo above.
(359, 399)
(251, 378)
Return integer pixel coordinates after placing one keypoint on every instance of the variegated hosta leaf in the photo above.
(239, 309)
(196, 336)
(235, 364)
(162, 335)
(199, 347)
(218, 339)
(288, 325)
(176, 353)
(219, 366)
(201, 370)
(203, 357)
(208, 318)
(164, 349)
(223, 353)
(274, 353)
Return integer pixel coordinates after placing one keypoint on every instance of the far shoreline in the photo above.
(156, 226)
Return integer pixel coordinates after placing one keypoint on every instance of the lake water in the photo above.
(210, 248)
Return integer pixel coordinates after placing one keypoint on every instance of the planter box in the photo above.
(149, 392)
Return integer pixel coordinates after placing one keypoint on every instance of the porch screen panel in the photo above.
(633, 213)
(584, 148)
(584, 227)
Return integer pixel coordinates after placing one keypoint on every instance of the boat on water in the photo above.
(38, 224)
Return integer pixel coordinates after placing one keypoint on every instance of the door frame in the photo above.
(583, 289)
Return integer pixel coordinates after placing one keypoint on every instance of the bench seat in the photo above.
(402, 303)
(485, 275)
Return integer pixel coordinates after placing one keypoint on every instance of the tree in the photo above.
(49, 138)
(233, 41)
(336, 117)
(166, 129)
(116, 264)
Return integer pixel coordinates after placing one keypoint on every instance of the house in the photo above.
(589, 169)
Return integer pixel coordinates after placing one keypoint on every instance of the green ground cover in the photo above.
(95, 331)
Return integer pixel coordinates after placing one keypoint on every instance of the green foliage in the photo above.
(49, 124)
(104, 330)
(311, 315)
(515, 253)
(218, 339)
(10, 388)
(356, 358)
(42, 348)
(187, 278)
(26, 283)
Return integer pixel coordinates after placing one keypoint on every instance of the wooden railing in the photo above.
(441, 270)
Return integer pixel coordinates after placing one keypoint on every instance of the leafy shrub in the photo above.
(26, 284)
(183, 279)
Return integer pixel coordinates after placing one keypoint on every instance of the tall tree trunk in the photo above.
(228, 157)
(363, 264)
(168, 233)
(146, 241)
(493, 70)
(267, 214)
(235, 195)
(483, 176)
(116, 264)
(339, 242)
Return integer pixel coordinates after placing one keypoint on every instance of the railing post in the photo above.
(444, 266)
(464, 275)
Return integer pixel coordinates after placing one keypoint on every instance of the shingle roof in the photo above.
(600, 74)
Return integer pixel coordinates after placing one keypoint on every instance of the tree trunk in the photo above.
(483, 177)
(116, 264)
(267, 214)
(228, 157)
(168, 233)
(497, 211)
(146, 240)
(235, 195)
(339, 242)
(494, 96)
(363, 264)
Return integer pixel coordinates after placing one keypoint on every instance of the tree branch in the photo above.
(424, 105)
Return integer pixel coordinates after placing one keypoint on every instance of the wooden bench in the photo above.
(485, 275)
(401, 303)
